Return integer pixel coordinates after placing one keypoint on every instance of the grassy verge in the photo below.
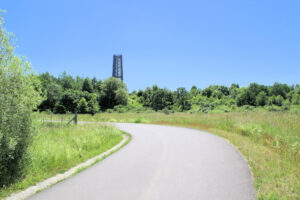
(270, 141)
(56, 148)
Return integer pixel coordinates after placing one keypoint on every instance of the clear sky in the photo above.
(168, 43)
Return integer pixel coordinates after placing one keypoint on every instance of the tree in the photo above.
(146, 98)
(279, 100)
(194, 91)
(79, 83)
(207, 92)
(19, 95)
(93, 106)
(112, 93)
(98, 86)
(121, 97)
(246, 97)
(223, 89)
(217, 94)
(160, 98)
(276, 100)
(53, 95)
(87, 85)
(181, 97)
(94, 84)
(82, 106)
(279, 89)
(59, 109)
(70, 99)
(261, 99)
(233, 90)
(296, 99)
(67, 81)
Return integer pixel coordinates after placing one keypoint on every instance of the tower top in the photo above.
(117, 66)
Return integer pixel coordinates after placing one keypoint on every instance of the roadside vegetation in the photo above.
(19, 95)
(270, 141)
(55, 148)
(31, 151)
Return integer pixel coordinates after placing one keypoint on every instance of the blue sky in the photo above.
(168, 43)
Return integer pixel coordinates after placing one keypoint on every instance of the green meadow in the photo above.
(269, 141)
(55, 148)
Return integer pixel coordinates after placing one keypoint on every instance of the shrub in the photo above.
(59, 109)
(19, 95)
(93, 106)
(261, 99)
(82, 106)
(113, 92)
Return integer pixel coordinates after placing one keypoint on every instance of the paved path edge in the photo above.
(60, 177)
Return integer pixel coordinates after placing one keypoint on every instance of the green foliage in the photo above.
(261, 99)
(87, 85)
(53, 93)
(56, 148)
(121, 96)
(276, 100)
(82, 106)
(246, 97)
(279, 89)
(59, 109)
(113, 92)
(160, 98)
(66, 92)
(70, 99)
(93, 106)
(19, 95)
(233, 90)
(194, 91)
(67, 81)
(181, 99)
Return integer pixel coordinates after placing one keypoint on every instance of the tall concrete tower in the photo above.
(117, 67)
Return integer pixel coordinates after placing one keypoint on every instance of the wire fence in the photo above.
(58, 118)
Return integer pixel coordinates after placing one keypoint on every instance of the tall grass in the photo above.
(270, 141)
(56, 148)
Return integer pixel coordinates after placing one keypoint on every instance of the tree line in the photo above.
(67, 94)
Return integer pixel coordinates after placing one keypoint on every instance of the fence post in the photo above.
(75, 118)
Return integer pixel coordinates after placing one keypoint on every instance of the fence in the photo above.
(59, 118)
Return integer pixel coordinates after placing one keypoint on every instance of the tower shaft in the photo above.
(117, 67)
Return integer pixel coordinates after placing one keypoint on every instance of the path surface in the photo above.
(161, 162)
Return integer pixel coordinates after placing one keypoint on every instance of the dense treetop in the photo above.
(67, 94)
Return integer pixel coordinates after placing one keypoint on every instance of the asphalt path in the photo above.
(162, 162)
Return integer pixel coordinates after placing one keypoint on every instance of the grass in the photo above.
(270, 141)
(56, 148)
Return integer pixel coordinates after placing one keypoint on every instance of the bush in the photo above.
(93, 106)
(166, 111)
(19, 95)
(59, 109)
(113, 92)
(82, 106)
(261, 99)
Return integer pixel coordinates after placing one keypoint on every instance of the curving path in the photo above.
(162, 162)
